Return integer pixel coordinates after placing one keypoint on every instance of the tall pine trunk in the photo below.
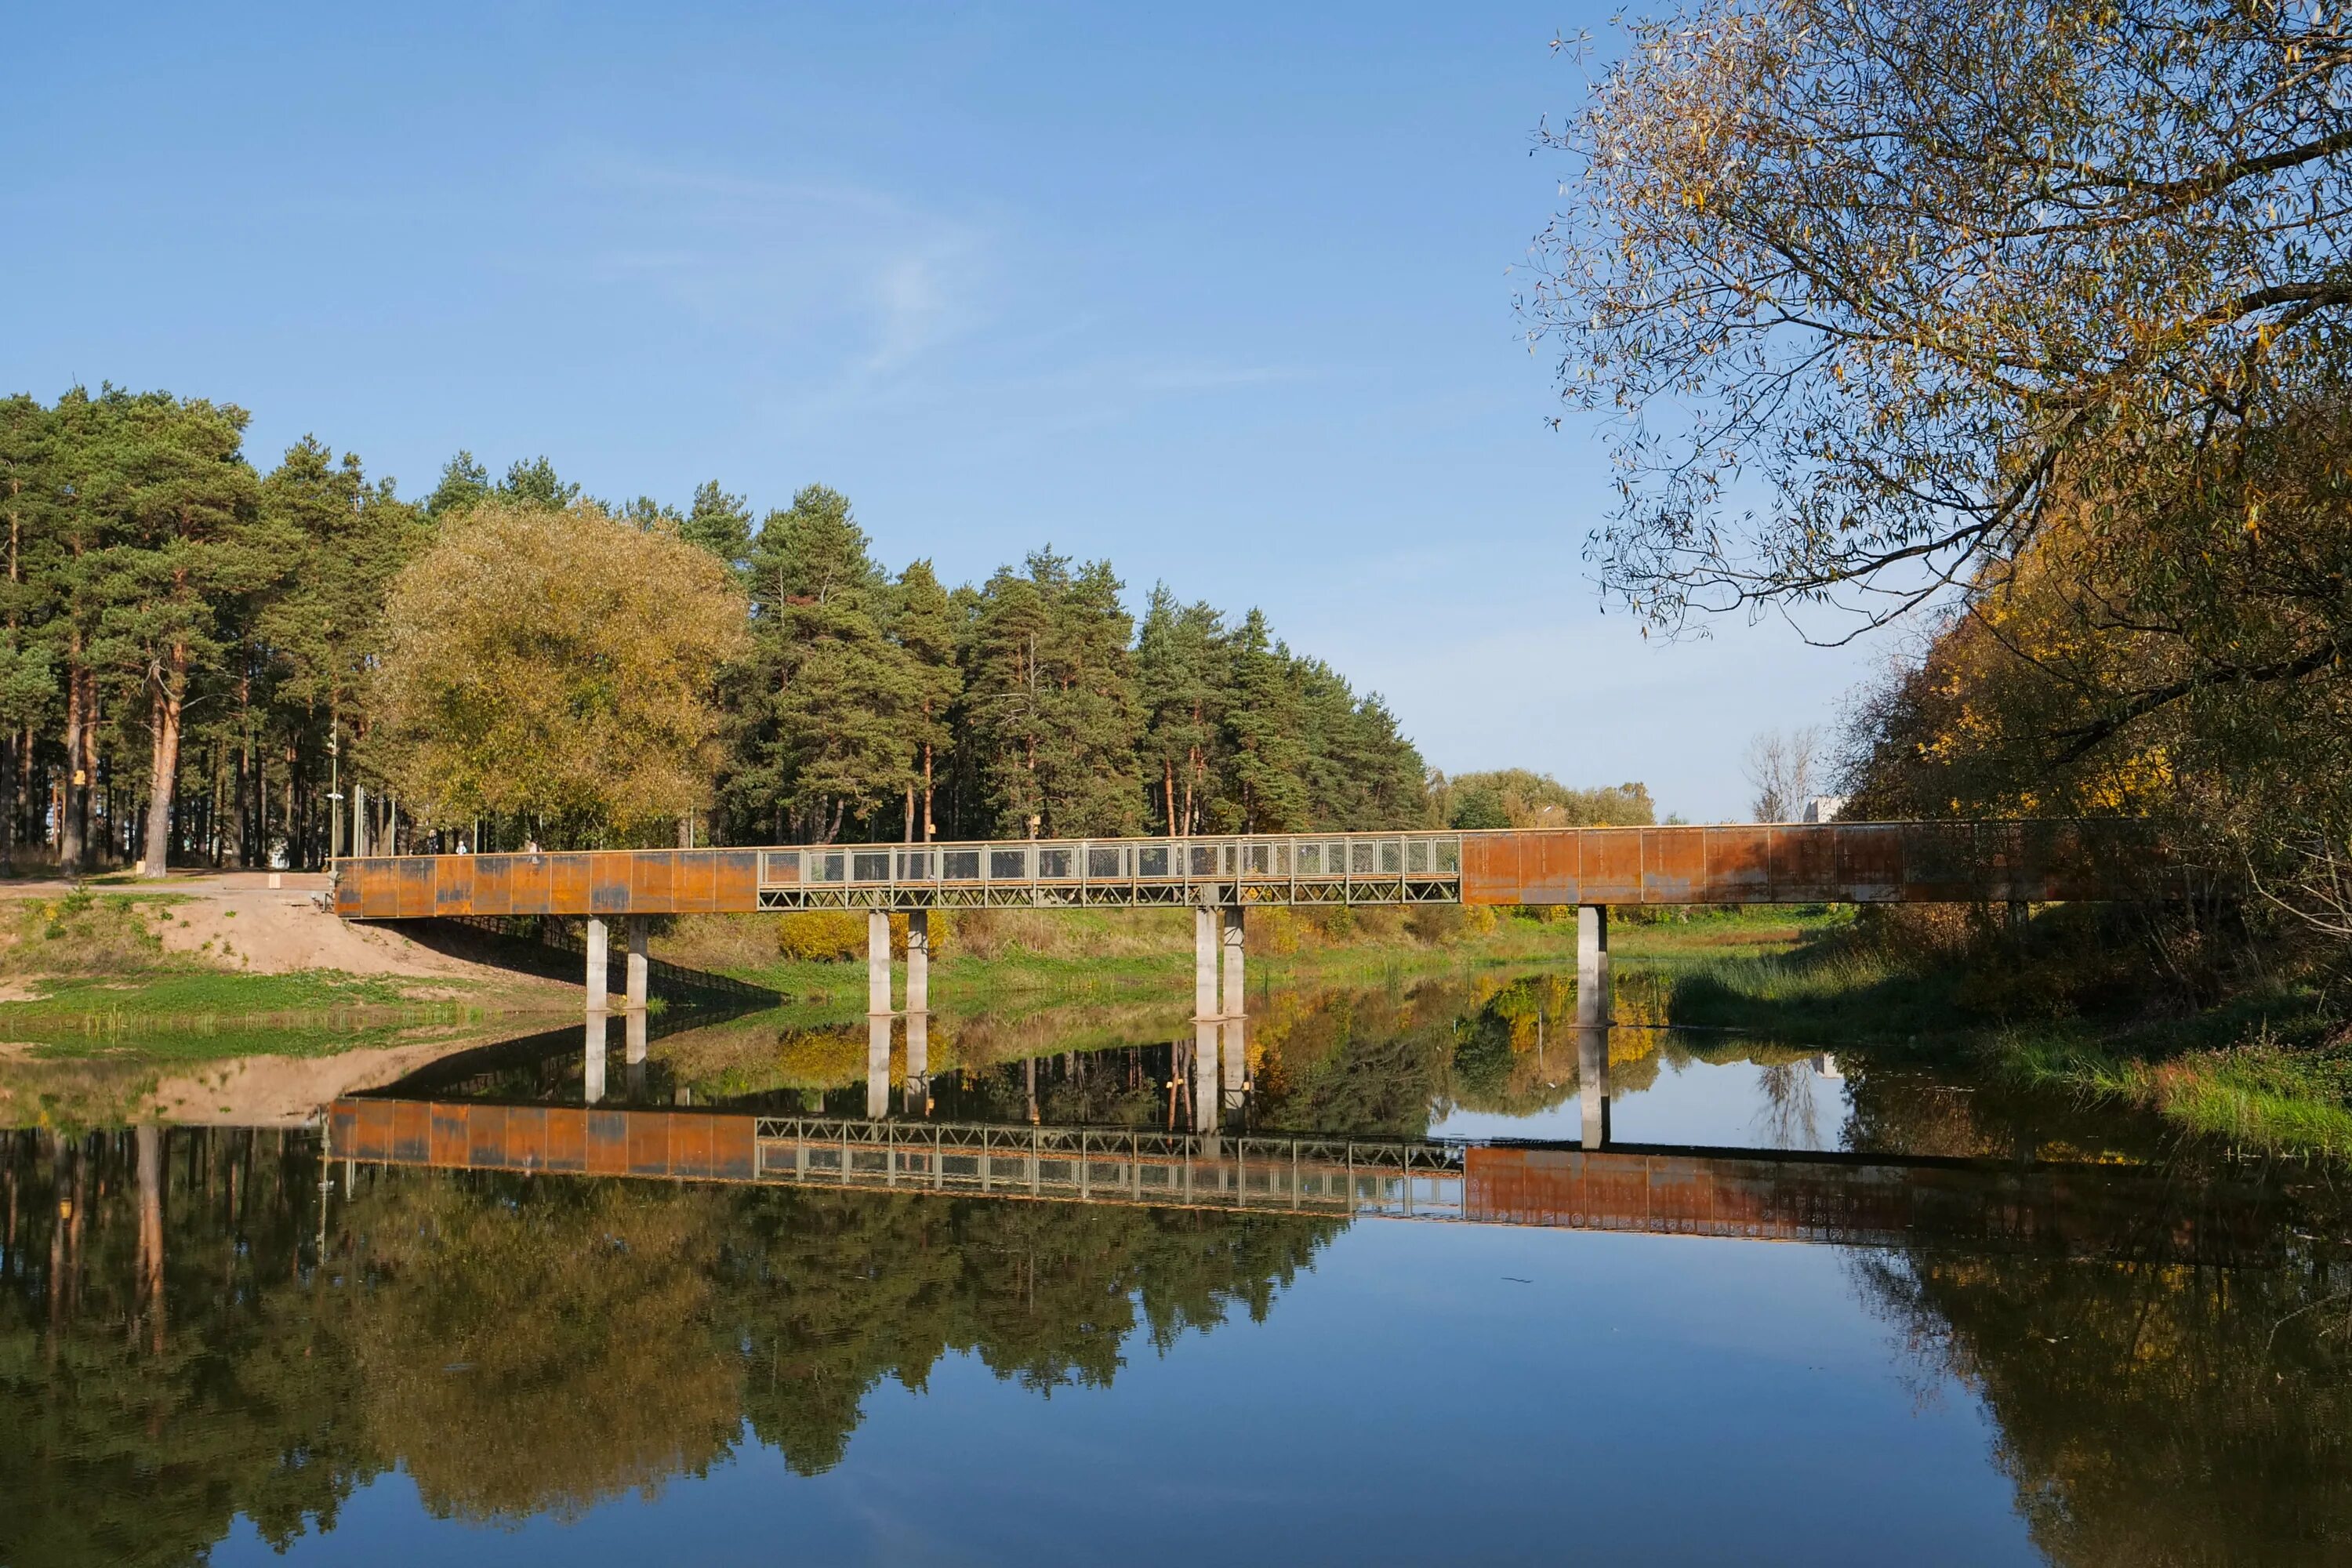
(171, 686)
(73, 821)
(931, 828)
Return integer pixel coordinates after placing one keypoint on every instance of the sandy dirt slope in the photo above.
(238, 920)
(289, 1092)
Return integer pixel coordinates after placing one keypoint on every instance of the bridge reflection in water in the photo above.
(1871, 1200)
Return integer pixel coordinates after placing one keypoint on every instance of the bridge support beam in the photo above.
(1231, 936)
(918, 964)
(1592, 1084)
(633, 1034)
(1592, 981)
(1205, 962)
(640, 964)
(918, 1058)
(600, 965)
(877, 963)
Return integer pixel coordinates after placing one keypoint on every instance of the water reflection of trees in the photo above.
(520, 1346)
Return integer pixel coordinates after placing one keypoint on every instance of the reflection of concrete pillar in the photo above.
(600, 962)
(877, 1064)
(877, 962)
(1232, 950)
(1205, 962)
(640, 964)
(1204, 1075)
(1592, 1079)
(919, 1062)
(919, 962)
(1593, 993)
(1234, 1078)
(633, 1037)
(592, 1077)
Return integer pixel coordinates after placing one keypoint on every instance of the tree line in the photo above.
(202, 663)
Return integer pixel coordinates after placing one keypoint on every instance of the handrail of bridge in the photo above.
(1321, 867)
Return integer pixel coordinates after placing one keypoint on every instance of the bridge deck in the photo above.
(1859, 862)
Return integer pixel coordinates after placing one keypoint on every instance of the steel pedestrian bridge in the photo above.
(1843, 862)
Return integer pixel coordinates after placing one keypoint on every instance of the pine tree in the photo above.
(925, 627)
(1180, 653)
(720, 523)
(827, 699)
(464, 483)
(1265, 737)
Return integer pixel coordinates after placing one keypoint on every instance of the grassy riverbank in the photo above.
(2064, 1004)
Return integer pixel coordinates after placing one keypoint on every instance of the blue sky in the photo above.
(1220, 292)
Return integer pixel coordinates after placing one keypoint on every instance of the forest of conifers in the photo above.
(174, 617)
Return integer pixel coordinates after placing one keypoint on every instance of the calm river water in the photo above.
(1357, 1283)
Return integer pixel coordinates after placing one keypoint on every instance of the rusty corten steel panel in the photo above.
(529, 885)
(567, 1138)
(1681, 1195)
(486, 1137)
(735, 881)
(697, 869)
(1869, 861)
(448, 1136)
(689, 1146)
(493, 886)
(1804, 864)
(347, 894)
(412, 1131)
(527, 1137)
(379, 898)
(1941, 861)
(568, 882)
(653, 880)
(453, 884)
(1490, 868)
(1551, 868)
(608, 1143)
(1674, 865)
(609, 878)
(369, 1134)
(1738, 864)
(733, 1141)
(648, 1142)
(1617, 1192)
(1612, 866)
(412, 876)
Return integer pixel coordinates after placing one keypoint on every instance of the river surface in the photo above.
(1398, 1275)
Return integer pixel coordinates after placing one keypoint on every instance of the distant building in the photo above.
(1825, 807)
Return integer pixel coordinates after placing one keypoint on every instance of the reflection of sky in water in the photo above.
(1425, 1394)
(1735, 1106)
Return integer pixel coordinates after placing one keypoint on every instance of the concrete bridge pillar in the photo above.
(1232, 941)
(877, 1058)
(1205, 962)
(1592, 981)
(633, 1034)
(1592, 1084)
(640, 964)
(877, 963)
(600, 965)
(919, 966)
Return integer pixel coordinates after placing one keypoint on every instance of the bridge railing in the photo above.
(1333, 868)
